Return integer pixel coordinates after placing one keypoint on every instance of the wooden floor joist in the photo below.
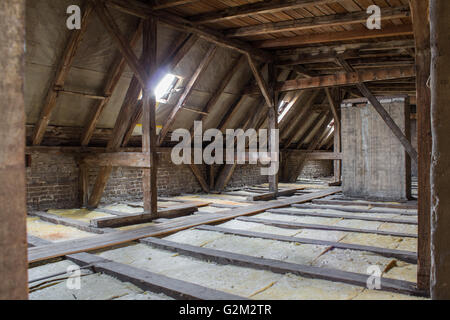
(296, 225)
(151, 281)
(119, 237)
(299, 213)
(356, 210)
(380, 204)
(407, 256)
(281, 267)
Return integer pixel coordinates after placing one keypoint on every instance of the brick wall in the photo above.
(52, 181)
(317, 169)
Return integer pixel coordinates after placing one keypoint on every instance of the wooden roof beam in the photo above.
(60, 76)
(266, 6)
(317, 22)
(307, 39)
(143, 10)
(341, 79)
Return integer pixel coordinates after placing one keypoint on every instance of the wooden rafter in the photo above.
(144, 11)
(308, 39)
(122, 44)
(186, 93)
(317, 22)
(62, 71)
(112, 80)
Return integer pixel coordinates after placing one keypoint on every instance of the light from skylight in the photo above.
(165, 86)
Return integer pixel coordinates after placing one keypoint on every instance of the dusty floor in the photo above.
(245, 282)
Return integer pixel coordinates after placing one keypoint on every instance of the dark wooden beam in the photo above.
(309, 23)
(383, 113)
(261, 7)
(421, 26)
(308, 39)
(13, 209)
(342, 79)
(186, 93)
(83, 184)
(112, 81)
(166, 4)
(144, 11)
(119, 159)
(149, 144)
(61, 73)
(123, 45)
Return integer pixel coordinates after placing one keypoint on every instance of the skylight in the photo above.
(165, 87)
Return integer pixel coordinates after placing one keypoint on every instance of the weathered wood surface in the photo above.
(151, 281)
(356, 210)
(119, 159)
(13, 246)
(407, 256)
(273, 195)
(298, 225)
(276, 266)
(119, 237)
(342, 216)
(411, 205)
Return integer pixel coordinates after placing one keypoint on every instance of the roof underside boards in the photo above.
(47, 36)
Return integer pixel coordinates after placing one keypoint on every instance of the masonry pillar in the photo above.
(13, 238)
(440, 166)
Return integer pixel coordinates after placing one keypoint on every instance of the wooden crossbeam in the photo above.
(308, 39)
(243, 11)
(186, 93)
(407, 256)
(112, 81)
(309, 23)
(62, 71)
(119, 159)
(342, 79)
(273, 195)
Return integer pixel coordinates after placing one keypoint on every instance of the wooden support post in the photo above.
(421, 26)
(335, 109)
(440, 175)
(83, 182)
(273, 142)
(60, 76)
(149, 120)
(13, 210)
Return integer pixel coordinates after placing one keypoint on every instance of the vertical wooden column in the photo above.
(440, 173)
(149, 124)
(83, 183)
(13, 211)
(273, 125)
(421, 26)
(333, 100)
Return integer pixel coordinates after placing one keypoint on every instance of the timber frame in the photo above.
(308, 60)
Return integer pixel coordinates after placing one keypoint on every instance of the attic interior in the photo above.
(357, 129)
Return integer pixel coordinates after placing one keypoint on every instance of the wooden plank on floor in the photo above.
(119, 237)
(298, 225)
(146, 280)
(355, 210)
(281, 267)
(55, 219)
(272, 195)
(412, 205)
(151, 281)
(298, 213)
(407, 256)
(136, 218)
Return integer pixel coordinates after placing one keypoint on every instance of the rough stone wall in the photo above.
(52, 181)
(311, 168)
